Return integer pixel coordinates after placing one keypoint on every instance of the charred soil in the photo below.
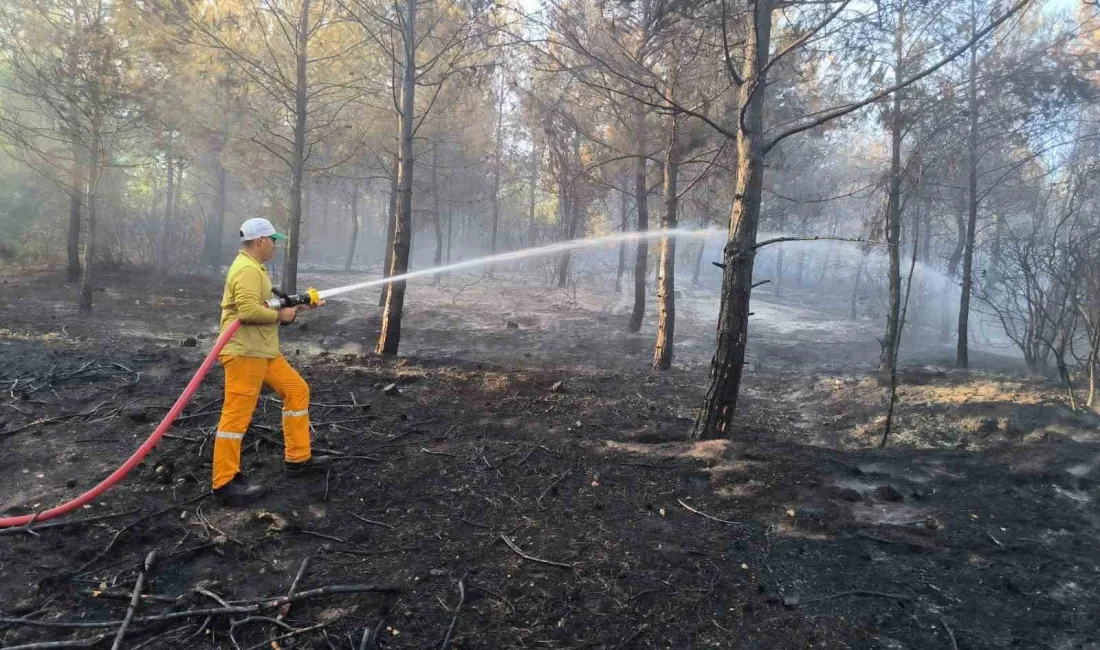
(528, 454)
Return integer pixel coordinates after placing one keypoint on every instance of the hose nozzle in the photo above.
(281, 300)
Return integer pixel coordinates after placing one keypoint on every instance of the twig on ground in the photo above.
(323, 536)
(75, 643)
(247, 607)
(853, 592)
(370, 637)
(370, 521)
(458, 609)
(288, 635)
(385, 551)
(533, 448)
(438, 453)
(950, 632)
(495, 595)
(630, 639)
(703, 514)
(517, 551)
(538, 501)
(285, 609)
(66, 522)
(135, 599)
(133, 523)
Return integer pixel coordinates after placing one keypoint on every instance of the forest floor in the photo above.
(976, 527)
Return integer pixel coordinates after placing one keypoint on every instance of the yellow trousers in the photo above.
(244, 377)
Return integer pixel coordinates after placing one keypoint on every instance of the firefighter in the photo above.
(252, 359)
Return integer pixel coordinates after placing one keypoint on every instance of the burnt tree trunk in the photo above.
(893, 210)
(297, 172)
(534, 180)
(95, 173)
(436, 219)
(641, 253)
(215, 224)
(76, 198)
(391, 226)
(716, 413)
(390, 338)
(354, 226)
(495, 224)
(962, 356)
(698, 262)
(666, 283)
(166, 223)
(623, 225)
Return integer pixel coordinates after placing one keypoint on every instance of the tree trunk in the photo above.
(450, 222)
(993, 276)
(215, 225)
(962, 357)
(76, 197)
(641, 247)
(391, 227)
(571, 212)
(354, 225)
(698, 263)
(856, 282)
(777, 282)
(623, 225)
(893, 210)
(716, 413)
(166, 223)
(666, 283)
(95, 170)
(496, 170)
(534, 174)
(290, 270)
(390, 338)
(438, 260)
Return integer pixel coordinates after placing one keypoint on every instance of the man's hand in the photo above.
(287, 314)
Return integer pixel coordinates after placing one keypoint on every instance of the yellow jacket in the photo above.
(247, 287)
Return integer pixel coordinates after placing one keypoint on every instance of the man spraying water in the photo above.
(252, 359)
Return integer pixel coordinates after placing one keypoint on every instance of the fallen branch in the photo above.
(458, 609)
(370, 521)
(385, 551)
(950, 632)
(795, 600)
(133, 523)
(273, 641)
(516, 549)
(75, 643)
(70, 522)
(711, 517)
(285, 609)
(251, 608)
(538, 501)
(135, 599)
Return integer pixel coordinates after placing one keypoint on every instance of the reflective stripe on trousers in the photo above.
(244, 377)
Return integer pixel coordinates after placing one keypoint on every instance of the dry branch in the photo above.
(458, 609)
(525, 556)
(135, 598)
(712, 518)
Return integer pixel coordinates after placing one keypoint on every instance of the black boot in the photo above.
(314, 464)
(238, 491)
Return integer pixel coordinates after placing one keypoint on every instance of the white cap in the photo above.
(259, 227)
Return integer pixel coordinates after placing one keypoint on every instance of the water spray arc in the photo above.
(313, 297)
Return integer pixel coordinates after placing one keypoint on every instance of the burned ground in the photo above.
(977, 528)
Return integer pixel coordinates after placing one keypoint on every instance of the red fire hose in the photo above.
(144, 449)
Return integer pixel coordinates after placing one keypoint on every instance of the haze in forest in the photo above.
(944, 151)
